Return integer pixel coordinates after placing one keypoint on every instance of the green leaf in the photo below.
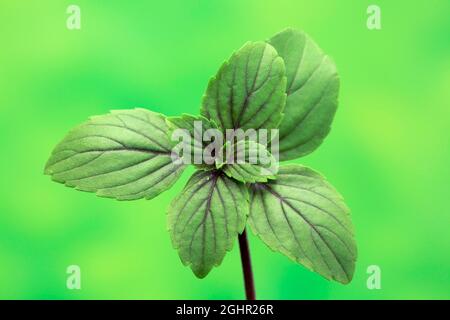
(205, 219)
(247, 161)
(302, 216)
(248, 91)
(312, 93)
(197, 140)
(124, 155)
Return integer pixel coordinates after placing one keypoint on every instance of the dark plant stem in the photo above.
(247, 267)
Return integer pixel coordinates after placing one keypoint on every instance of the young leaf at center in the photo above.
(201, 139)
(247, 161)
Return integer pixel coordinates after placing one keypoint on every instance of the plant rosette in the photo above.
(285, 86)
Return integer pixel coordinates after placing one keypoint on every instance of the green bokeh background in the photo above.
(388, 152)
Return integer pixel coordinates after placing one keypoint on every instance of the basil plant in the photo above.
(285, 85)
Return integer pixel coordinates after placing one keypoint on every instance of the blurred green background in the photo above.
(388, 152)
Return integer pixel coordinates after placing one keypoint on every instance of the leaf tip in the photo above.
(200, 273)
